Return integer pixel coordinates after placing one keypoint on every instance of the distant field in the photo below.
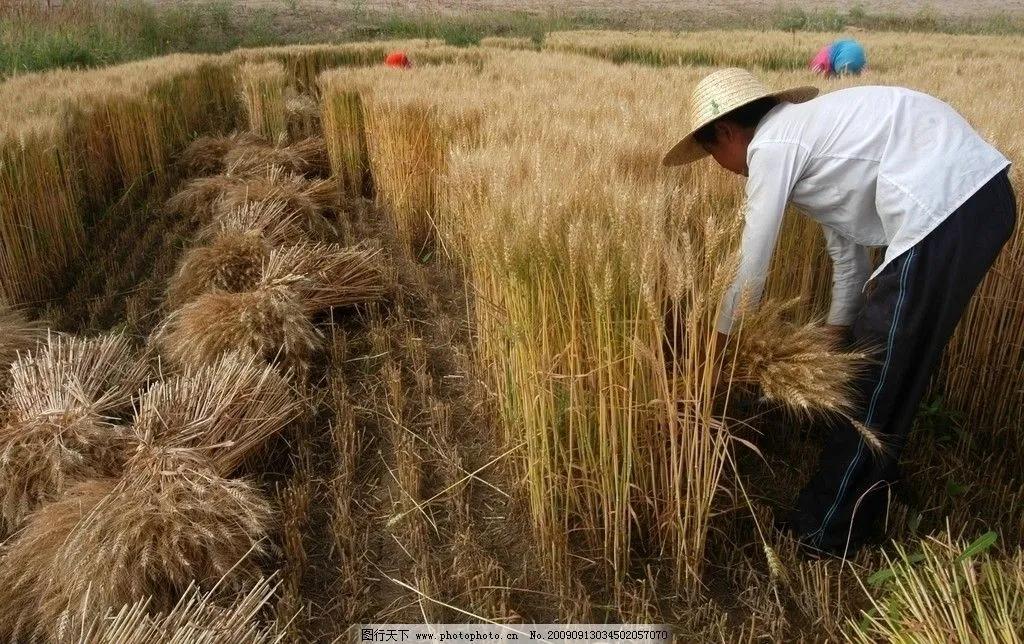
(711, 7)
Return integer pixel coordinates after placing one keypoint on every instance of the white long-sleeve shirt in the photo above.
(875, 166)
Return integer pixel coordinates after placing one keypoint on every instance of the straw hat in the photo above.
(718, 94)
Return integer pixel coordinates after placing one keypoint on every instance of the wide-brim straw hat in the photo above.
(718, 94)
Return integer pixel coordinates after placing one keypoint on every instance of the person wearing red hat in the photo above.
(397, 59)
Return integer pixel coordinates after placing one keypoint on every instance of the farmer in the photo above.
(876, 167)
(841, 58)
(397, 59)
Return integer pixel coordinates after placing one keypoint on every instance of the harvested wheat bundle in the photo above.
(327, 275)
(797, 365)
(198, 618)
(228, 409)
(43, 454)
(206, 155)
(169, 520)
(203, 198)
(101, 373)
(307, 157)
(269, 322)
(58, 430)
(313, 150)
(271, 219)
(231, 261)
(28, 558)
(302, 113)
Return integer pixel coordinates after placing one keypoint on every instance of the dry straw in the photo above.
(228, 409)
(167, 521)
(61, 425)
(199, 617)
(205, 198)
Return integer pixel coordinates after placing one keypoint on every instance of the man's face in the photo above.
(730, 147)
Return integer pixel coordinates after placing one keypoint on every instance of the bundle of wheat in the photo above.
(203, 198)
(327, 275)
(206, 155)
(59, 426)
(303, 115)
(307, 157)
(313, 151)
(27, 559)
(231, 262)
(228, 409)
(168, 520)
(800, 366)
(269, 322)
(198, 618)
(102, 373)
(323, 275)
(42, 454)
(271, 219)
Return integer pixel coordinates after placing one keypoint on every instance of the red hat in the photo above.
(397, 59)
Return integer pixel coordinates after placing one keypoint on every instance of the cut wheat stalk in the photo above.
(199, 617)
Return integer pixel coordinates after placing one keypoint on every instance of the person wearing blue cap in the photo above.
(840, 58)
(877, 167)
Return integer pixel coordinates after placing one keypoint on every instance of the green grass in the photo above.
(89, 37)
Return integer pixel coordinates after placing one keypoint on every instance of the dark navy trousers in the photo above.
(910, 311)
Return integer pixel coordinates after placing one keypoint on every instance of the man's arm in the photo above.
(773, 170)
(851, 267)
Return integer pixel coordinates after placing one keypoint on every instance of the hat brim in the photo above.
(688, 150)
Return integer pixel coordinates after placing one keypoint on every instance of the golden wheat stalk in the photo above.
(262, 87)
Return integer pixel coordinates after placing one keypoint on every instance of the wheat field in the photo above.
(292, 341)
